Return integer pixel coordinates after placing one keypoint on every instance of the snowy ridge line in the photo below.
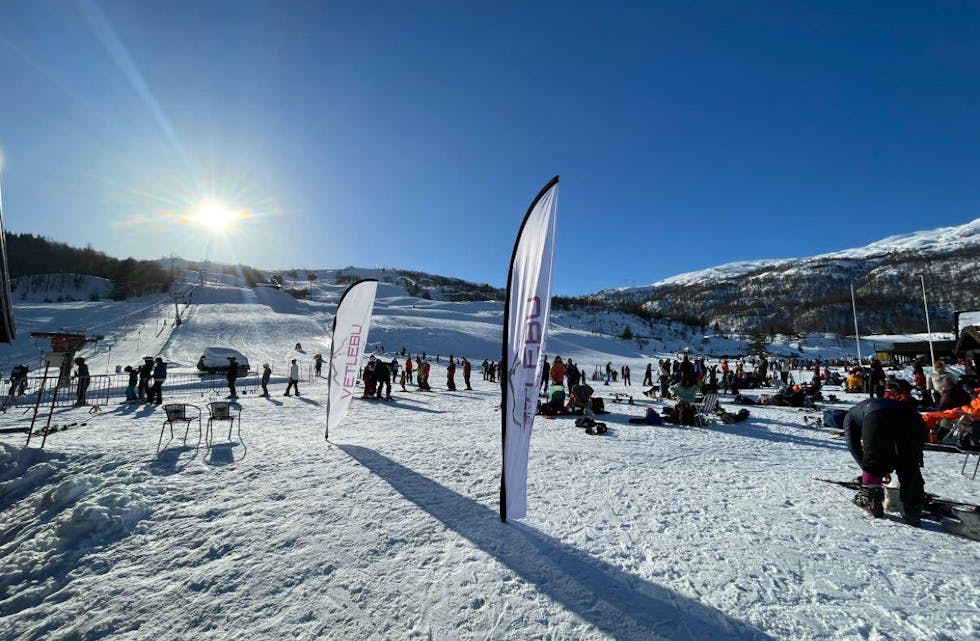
(941, 240)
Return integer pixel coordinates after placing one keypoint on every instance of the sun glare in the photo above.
(215, 216)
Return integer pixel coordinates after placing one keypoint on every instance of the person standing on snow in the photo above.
(884, 435)
(382, 378)
(266, 375)
(648, 376)
(876, 384)
(368, 377)
(467, 369)
(572, 374)
(231, 376)
(663, 376)
(159, 376)
(451, 374)
(293, 378)
(934, 382)
(18, 380)
(558, 372)
(145, 375)
(131, 386)
(318, 364)
(83, 380)
(626, 375)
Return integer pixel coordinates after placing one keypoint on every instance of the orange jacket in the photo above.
(558, 373)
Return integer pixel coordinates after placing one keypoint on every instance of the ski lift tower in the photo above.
(64, 346)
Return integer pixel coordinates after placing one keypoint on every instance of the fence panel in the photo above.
(104, 388)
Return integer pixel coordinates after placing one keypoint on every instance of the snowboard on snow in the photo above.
(958, 518)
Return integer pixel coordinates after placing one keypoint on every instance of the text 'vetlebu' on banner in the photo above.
(350, 335)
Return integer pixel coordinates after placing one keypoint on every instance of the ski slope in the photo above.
(390, 531)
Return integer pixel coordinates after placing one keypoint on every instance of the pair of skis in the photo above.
(954, 517)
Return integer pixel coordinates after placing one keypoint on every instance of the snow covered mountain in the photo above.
(799, 295)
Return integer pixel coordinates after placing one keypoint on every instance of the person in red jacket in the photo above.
(451, 374)
(558, 372)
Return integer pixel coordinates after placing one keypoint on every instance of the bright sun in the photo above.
(215, 216)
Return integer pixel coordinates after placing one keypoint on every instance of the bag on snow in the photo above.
(651, 418)
(834, 418)
(730, 419)
(598, 406)
(598, 428)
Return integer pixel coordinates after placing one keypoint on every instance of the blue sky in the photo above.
(414, 134)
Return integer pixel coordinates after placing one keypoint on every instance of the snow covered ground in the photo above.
(390, 531)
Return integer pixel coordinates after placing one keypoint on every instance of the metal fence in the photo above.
(52, 390)
(112, 387)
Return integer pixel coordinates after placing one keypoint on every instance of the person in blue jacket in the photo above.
(159, 376)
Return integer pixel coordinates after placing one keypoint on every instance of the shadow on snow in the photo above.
(616, 602)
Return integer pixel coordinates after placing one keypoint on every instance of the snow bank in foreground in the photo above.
(60, 518)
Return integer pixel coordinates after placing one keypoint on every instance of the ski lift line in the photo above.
(116, 321)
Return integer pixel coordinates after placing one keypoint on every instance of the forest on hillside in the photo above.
(29, 254)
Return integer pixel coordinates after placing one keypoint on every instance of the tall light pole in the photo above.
(857, 334)
(925, 305)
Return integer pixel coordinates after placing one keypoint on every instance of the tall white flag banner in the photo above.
(350, 335)
(526, 309)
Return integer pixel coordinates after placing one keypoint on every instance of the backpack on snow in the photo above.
(598, 406)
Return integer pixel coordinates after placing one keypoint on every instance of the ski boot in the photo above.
(871, 498)
(912, 513)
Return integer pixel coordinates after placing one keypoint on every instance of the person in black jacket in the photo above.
(131, 385)
(83, 380)
(884, 435)
(687, 368)
(382, 380)
(876, 382)
(231, 376)
(145, 374)
(572, 373)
